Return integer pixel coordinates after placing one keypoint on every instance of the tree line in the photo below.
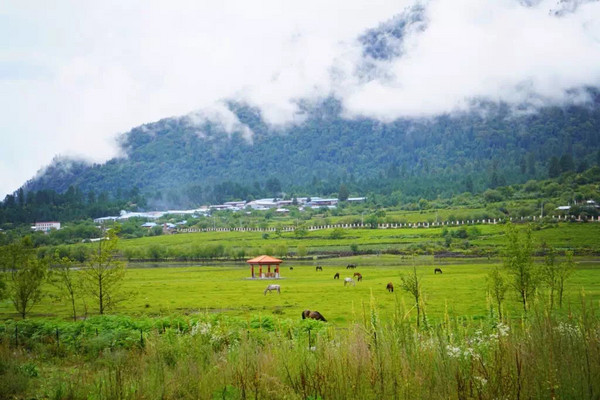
(99, 279)
(518, 272)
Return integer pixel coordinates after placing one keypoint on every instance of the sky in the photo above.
(76, 74)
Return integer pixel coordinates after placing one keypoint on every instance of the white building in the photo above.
(262, 204)
(46, 226)
(356, 199)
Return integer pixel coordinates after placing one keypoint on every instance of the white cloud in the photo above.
(222, 116)
(75, 74)
(499, 51)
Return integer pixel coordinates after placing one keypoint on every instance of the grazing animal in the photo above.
(318, 268)
(336, 276)
(273, 287)
(435, 271)
(351, 266)
(390, 287)
(349, 281)
(291, 268)
(314, 315)
(358, 276)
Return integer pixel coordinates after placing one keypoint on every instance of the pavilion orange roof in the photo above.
(264, 260)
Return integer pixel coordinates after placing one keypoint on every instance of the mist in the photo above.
(74, 76)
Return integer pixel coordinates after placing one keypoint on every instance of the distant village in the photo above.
(258, 205)
(279, 205)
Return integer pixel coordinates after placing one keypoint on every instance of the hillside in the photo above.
(185, 161)
(232, 152)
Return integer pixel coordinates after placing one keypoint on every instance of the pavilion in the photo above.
(265, 260)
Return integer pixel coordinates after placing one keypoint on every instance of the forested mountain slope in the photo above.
(186, 162)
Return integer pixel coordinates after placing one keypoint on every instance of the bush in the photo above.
(156, 252)
(492, 196)
(337, 233)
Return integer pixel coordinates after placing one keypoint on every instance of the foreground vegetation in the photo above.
(542, 355)
(519, 326)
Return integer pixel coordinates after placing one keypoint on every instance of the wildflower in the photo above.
(453, 352)
(428, 344)
(215, 338)
(565, 329)
(201, 328)
(503, 329)
(469, 352)
(481, 381)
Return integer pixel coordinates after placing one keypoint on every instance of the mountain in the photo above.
(232, 152)
(192, 160)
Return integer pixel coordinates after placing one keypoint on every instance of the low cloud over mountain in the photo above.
(115, 68)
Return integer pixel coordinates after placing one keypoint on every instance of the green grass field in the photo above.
(160, 289)
(205, 330)
(584, 238)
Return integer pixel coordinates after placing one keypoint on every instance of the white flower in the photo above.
(503, 329)
(201, 328)
(480, 380)
(453, 352)
(565, 329)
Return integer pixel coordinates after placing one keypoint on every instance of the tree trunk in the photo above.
(560, 294)
(74, 309)
(100, 296)
(418, 312)
(499, 310)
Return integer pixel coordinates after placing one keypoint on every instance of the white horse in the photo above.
(273, 287)
(348, 281)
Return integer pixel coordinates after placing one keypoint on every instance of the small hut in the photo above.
(268, 261)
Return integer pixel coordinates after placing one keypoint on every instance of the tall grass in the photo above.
(211, 357)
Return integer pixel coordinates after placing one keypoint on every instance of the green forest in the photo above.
(179, 163)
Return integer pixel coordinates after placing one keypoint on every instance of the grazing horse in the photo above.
(291, 268)
(348, 281)
(318, 268)
(314, 315)
(273, 287)
(336, 276)
(358, 276)
(435, 271)
(351, 266)
(390, 287)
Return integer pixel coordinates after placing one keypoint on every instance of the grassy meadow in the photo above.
(480, 239)
(461, 291)
(204, 330)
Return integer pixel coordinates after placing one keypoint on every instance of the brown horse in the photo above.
(336, 276)
(435, 271)
(358, 276)
(390, 287)
(314, 315)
